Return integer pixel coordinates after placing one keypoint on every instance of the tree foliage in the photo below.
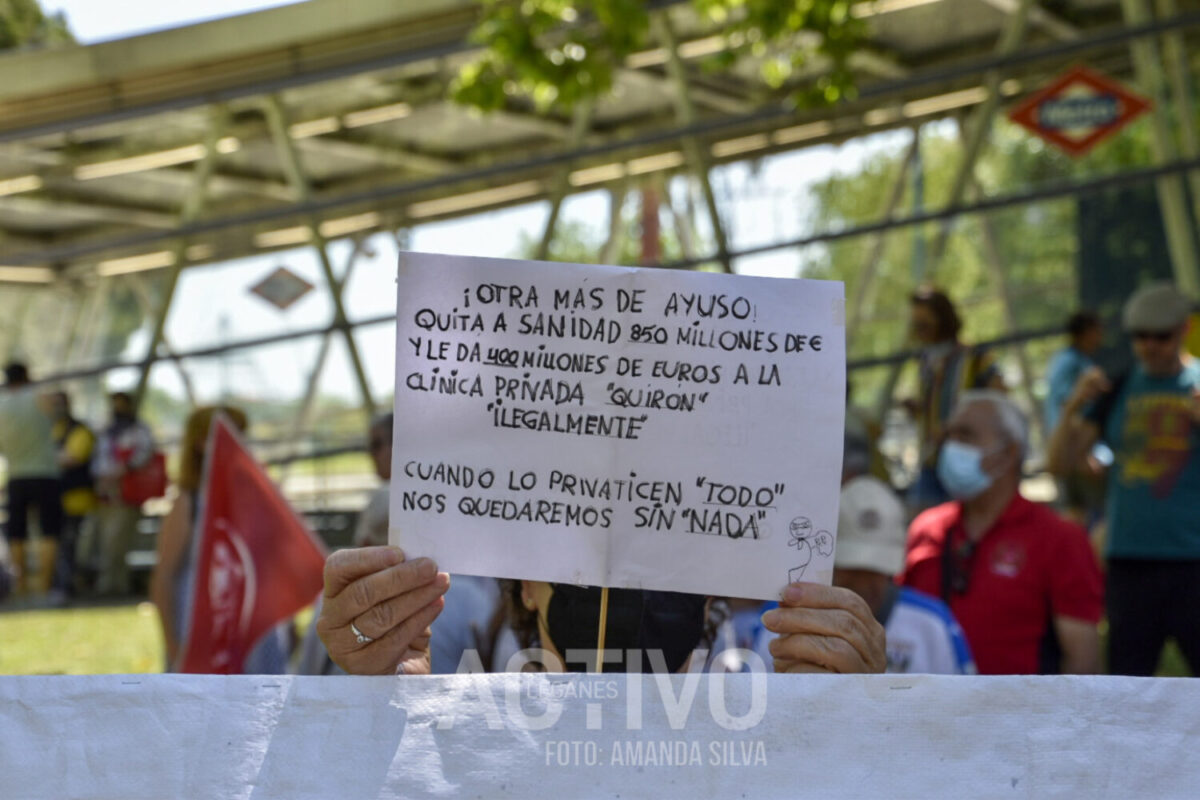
(1036, 244)
(560, 52)
(23, 23)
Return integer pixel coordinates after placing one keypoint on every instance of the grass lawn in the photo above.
(87, 641)
(81, 641)
(126, 639)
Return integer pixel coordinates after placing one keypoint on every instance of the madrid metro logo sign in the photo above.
(1079, 110)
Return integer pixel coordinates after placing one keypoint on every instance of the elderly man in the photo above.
(1151, 420)
(922, 634)
(1021, 581)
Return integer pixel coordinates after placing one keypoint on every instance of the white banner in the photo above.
(638, 428)
(568, 736)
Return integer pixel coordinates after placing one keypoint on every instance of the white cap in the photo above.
(871, 530)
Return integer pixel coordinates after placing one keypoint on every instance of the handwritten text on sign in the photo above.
(614, 426)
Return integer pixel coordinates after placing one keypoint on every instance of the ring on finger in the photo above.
(362, 637)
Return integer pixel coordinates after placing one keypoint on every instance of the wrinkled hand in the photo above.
(825, 629)
(1091, 384)
(389, 599)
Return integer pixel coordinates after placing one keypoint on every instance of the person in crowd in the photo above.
(1085, 335)
(1021, 580)
(660, 631)
(26, 445)
(1151, 420)
(1080, 492)
(470, 603)
(125, 445)
(75, 443)
(378, 608)
(922, 634)
(947, 368)
(172, 582)
(372, 526)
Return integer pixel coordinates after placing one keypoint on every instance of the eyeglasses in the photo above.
(1157, 336)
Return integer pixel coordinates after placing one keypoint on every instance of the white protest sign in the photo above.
(633, 428)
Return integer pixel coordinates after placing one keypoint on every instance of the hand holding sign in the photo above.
(615, 427)
(389, 601)
(825, 629)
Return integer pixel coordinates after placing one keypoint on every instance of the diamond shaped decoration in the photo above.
(282, 288)
(1079, 110)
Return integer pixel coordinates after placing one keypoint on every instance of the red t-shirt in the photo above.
(1030, 564)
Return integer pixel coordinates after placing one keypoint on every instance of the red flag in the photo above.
(257, 563)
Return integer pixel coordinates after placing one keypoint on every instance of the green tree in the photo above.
(24, 23)
(559, 52)
(1035, 244)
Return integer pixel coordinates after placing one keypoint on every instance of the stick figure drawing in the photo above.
(805, 539)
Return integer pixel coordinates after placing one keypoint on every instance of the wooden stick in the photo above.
(603, 626)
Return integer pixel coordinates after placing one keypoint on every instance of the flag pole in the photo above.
(603, 626)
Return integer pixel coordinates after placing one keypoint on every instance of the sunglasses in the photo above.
(1157, 336)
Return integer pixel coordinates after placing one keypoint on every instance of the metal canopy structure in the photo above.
(108, 149)
(302, 124)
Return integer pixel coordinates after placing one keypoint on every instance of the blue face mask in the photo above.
(960, 470)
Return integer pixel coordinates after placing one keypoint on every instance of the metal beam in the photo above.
(616, 229)
(1171, 197)
(373, 196)
(717, 101)
(875, 248)
(1180, 73)
(192, 204)
(878, 64)
(314, 377)
(680, 220)
(57, 170)
(1112, 35)
(277, 121)
(217, 182)
(999, 274)
(140, 291)
(44, 207)
(540, 126)
(696, 155)
(1039, 17)
(390, 319)
(1010, 39)
(377, 154)
(79, 300)
(1050, 191)
(15, 327)
(580, 125)
(82, 347)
